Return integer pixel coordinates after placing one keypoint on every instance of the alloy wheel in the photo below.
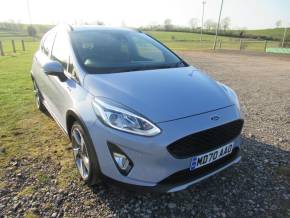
(80, 153)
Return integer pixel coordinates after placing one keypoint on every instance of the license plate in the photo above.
(207, 158)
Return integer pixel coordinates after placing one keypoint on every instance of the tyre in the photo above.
(84, 155)
(38, 98)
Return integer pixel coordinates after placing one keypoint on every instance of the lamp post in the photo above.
(218, 25)
(28, 10)
(284, 36)
(201, 29)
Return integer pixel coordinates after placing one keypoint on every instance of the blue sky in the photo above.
(251, 14)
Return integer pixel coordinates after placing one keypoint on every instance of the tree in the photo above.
(225, 23)
(154, 25)
(100, 23)
(210, 24)
(193, 22)
(168, 25)
(31, 31)
(242, 33)
(278, 23)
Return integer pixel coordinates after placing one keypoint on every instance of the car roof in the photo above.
(99, 27)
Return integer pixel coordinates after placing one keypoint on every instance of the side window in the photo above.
(42, 43)
(60, 51)
(48, 42)
(147, 50)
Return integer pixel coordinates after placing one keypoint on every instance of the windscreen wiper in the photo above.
(180, 64)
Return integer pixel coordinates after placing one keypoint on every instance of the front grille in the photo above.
(185, 176)
(205, 141)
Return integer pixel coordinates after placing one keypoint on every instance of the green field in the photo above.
(191, 41)
(276, 33)
(16, 35)
(20, 122)
(7, 36)
(177, 41)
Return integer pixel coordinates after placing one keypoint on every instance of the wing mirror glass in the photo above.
(54, 68)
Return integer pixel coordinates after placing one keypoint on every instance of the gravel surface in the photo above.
(257, 187)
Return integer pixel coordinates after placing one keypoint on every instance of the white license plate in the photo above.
(207, 158)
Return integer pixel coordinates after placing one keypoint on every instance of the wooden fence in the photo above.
(13, 46)
(243, 44)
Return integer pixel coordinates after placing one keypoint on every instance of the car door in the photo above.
(62, 89)
(41, 57)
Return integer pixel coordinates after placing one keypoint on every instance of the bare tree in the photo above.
(31, 31)
(278, 23)
(193, 22)
(168, 24)
(210, 24)
(100, 23)
(225, 23)
(153, 25)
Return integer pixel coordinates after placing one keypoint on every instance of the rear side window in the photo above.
(48, 42)
(60, 51)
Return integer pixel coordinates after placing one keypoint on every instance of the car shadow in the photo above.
(254, 187)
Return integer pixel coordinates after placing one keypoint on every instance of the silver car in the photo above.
(136, 114)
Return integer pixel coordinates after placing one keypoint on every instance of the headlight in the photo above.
(122, 119)
(231, 93)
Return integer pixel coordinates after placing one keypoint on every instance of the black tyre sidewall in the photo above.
(41, 106)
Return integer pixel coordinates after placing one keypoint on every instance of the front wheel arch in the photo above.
(71, 118)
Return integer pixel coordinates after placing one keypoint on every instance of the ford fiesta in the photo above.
(136, 113)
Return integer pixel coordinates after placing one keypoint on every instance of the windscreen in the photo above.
(108, 51)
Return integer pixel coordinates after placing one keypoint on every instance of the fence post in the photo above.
(13, 46)
(1, 49)
(241, 42)
(265, 47)
(220, 46)
(23, 45)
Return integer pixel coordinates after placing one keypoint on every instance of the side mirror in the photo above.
(53, 68)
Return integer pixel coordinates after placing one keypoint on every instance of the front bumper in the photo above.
(178, 185)
(154, 167)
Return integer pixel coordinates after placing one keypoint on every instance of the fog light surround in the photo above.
(121, 160)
